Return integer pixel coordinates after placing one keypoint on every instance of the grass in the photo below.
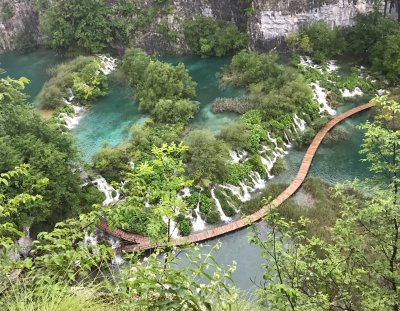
(23, 296)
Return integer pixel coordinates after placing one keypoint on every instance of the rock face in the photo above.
(273, 20)
(267, 21)
(19, 25)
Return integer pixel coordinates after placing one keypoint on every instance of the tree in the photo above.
(51, 154)
(76, 23)
(160, 84)
(170, 111)
(359, 270)
(207, 36)
(208, 156)
(152, 195)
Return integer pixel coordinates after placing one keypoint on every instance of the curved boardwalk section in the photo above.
(143, 243)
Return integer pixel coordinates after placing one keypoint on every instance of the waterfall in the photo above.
(288, 145)
(299, 124)
(268, 164)
(320, 97)
(356, 92)
(238, 191)
(90, 240)
(258, 182)
(237, 156)
(107, 190)
(224, 218)
(173, 229)
(115, 244)
(186, 192)
(108, 64)
(198, 224)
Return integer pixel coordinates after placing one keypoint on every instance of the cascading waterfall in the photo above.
(258, 182)
(115, 245)
(299, 124)
(241, 192)
(112, 195)
(224, 218)
(107, 65)
(198, 223)
(237, 156)
(320, 97)
(173, 228)
(356, 92)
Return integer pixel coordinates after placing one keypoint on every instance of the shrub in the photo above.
(213, 217)
(256, 164)
(207, 36)
(261, 199)
(223, 200)
(81, 75)
(170, 111)
(279, 166)
(185, 226)
(317, 40)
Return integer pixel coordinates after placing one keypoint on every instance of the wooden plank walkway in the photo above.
(143, 243)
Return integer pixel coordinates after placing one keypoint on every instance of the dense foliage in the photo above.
(51, 154)
(317, 40)
(76, 23)
(79, 80)
(356, 268)
(207, 36)
(163, 90)
(375, 40)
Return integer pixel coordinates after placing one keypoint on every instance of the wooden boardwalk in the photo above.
(144, 244)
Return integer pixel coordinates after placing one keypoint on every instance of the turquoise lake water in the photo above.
(112, 115)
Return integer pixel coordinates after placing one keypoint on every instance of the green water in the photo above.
(114, 113)
(34, 66)
(109, 118)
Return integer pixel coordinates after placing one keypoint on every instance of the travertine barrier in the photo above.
(143, 243)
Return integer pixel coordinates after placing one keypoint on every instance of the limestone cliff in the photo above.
(267, 21)
(18, 25)
(274, 19)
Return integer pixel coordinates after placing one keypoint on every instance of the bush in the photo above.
(279, 166)
(80, 75)
(185, 226)
(111, 162)
(305, 138)
(237, 173)
(161, 89)
(207, 36)
(236, 135)
(260, 199)
(256, 164)
(208, 156)
(223, 200)
(76, 23)
(317, 40)
(213, 217)
(170, 111)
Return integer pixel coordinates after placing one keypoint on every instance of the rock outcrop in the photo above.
(267, 21)
(19, 25)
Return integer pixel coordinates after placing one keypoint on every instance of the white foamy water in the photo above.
(108, 64)
(356, 92)
(299, 124)
(173, 228)
(103, 186)
(198, 223)
(237, 156)
(224, 218)
(320, 97)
